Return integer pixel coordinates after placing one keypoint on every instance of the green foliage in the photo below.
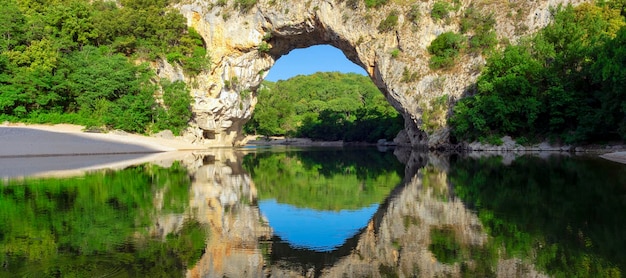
(441, 10)
(78, 58)
(12, 26)
(177, 111)
(444, 49)
(325, 180)
(324, 106)
(534, 209)
(444, 245)
(484, 37)
(558, 84)
(191, 53)
(408, 76)
(434, 114)
(264, 47)
(389, 23)
(245, 5)
(395, 53)
(375, 3)
(414, 14)
(85, 226)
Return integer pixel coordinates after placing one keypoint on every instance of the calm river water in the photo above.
(285, 212)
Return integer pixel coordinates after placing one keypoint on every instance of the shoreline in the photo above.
(619, 157)
(65, 150)
(25, 148)
(95, 143)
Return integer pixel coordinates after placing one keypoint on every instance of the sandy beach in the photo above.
(616, 156)
(48, 149)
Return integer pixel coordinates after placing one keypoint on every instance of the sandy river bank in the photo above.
(46, 150)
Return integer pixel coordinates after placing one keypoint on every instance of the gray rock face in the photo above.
(245, 44)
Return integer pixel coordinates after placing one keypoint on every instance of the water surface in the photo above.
(321, 213)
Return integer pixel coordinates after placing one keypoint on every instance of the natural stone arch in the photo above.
(245, 43)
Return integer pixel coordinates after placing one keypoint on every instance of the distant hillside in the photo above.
(325, 106)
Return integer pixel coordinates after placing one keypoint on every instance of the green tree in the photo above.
(444, 49)
(325, 106)
(176, 114)
(12, 25)
(70, 24)
(552, 85)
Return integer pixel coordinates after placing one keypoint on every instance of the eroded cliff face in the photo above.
(244, 43)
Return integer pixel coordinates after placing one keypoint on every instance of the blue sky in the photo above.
(317, 230)
(311, 60)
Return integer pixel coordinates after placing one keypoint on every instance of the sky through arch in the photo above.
(306, 61)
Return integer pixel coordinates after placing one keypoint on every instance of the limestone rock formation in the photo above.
(244, 41)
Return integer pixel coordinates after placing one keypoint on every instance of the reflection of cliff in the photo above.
(222, 195)
(426, 232)
(421, 230)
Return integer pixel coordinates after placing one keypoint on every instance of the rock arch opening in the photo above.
(317, 93)
(306, 61)
(245, 47)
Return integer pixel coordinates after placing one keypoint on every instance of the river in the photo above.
(321, 212)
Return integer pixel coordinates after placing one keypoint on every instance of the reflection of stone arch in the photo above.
(305, 260)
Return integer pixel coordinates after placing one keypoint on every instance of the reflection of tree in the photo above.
(326, 180)
(563, 213)
(97, 224)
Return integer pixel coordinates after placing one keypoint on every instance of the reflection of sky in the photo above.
(314, 229)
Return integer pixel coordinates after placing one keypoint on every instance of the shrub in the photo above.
(414, 14)
(264, 47)
(389, 23)
(483, 41)
(395, 53)
(440, 10)
(177, 111)
(375, 3)
(445, 48)
(245, 5)
(408, 76)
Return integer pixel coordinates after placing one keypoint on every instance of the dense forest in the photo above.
(566, 83)
(325, 106)
(76, 61)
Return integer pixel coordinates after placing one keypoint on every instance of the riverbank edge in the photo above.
(156, 143)
(616, 153)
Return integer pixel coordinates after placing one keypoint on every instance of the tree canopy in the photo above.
(565, 83)
(325, 106)
(76, 61)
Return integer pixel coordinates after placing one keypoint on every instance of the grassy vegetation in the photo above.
(375, 3)
(245, 5)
